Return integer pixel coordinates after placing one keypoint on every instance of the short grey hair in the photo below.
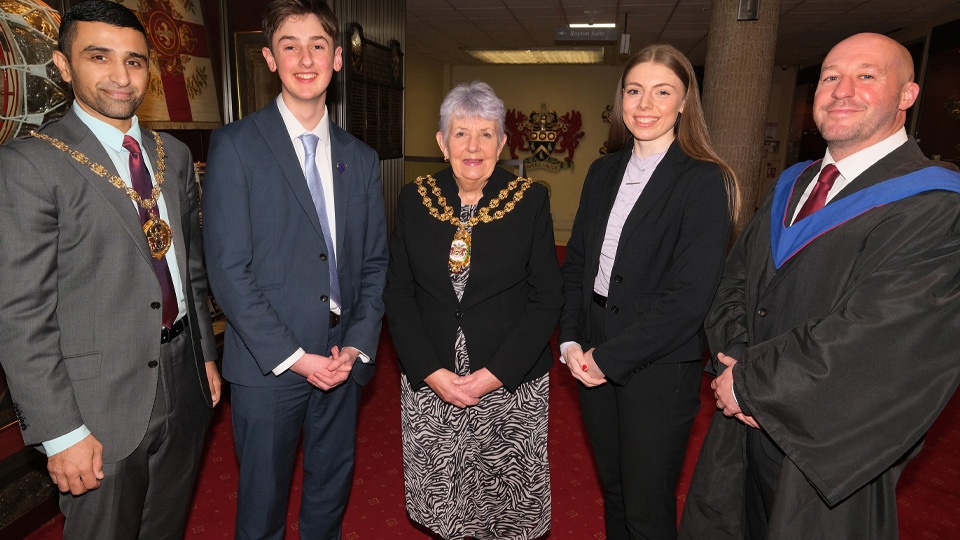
(472, 100)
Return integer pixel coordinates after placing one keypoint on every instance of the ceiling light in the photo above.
(591, 25)
(580, 55)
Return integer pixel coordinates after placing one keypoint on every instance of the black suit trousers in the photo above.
(639, 436)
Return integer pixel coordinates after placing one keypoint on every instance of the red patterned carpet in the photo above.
(929, 493)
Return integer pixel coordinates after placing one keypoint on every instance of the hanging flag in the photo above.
(182, 93)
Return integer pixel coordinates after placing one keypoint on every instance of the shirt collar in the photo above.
(295, 129)
(108, 135)
(645, 163)
(853, 165)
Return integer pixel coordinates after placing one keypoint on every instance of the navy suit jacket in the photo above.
(267, 258)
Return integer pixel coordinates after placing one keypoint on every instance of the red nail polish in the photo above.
(585, 368)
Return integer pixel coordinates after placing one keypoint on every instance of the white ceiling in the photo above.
(441, 29)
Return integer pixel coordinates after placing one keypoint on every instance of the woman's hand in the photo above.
(442, 383)
(479, 383)
(583, 367)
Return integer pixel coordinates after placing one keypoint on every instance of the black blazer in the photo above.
(667, 266)
(511, 302)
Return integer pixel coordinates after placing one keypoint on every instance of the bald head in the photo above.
(896, 54)
(865, 88)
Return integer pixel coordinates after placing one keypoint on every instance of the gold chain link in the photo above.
(484, 213)
(102, 171)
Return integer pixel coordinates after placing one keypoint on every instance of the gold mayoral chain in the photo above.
(156, 230)
(461, 246)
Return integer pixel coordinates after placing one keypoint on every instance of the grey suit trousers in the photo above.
(143, 496)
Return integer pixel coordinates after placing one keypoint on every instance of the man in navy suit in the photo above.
(295, 229)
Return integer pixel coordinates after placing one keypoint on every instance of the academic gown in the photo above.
(847, 354)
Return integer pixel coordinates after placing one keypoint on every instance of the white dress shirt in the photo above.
(853, 165)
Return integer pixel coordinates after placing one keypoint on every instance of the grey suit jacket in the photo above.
(266, 255)
(79, 298)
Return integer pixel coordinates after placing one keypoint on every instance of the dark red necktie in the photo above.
(143, 185)
(818, 197)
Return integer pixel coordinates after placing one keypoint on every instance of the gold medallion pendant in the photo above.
(460, 250)
(462, 244)
(158, 235)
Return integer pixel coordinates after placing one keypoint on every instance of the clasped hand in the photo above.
(583, 367)
(723, 392)
(327, 372)
(463, 391)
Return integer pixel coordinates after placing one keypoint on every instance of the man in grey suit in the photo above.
(296, 248)
(105, 335)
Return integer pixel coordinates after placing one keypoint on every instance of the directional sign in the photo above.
(564, 33)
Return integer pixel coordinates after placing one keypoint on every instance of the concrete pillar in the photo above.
(736, 88)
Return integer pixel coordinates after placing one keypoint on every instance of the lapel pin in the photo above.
(341, 167)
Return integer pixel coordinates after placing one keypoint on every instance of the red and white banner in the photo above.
(182, 93)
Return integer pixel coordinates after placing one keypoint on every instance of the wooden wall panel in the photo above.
(382, 21)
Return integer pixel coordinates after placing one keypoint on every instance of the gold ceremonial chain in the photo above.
(462, 242)
(157, 231)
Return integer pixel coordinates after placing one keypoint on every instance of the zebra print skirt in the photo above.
(481, 471)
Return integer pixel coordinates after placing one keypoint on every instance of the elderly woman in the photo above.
(473, 294)
(643, 262)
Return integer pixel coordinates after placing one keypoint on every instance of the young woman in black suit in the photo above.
(642, 265)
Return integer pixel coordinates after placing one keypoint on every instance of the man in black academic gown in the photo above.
(836, 323)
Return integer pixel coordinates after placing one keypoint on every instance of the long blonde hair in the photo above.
(690, 129)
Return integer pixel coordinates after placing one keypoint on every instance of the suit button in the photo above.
(618, 279)
(323, 298)
(152, 363)
(762, 312)
(323, 256)
(458, 314)
(614, 309)
(155, 305)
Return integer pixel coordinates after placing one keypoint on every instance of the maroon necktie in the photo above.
(818, 197)
(143, 185)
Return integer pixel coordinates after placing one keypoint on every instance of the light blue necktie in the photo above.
(310, 141)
